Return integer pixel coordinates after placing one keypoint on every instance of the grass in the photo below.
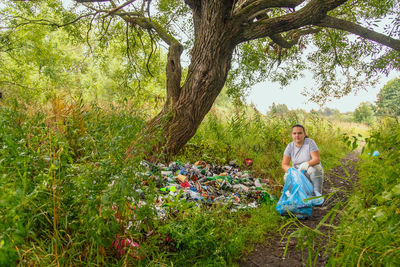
(368, 234)
(66, 190)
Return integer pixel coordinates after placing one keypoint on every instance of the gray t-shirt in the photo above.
(301, 154)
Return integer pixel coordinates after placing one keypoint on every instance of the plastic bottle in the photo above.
(258, 184)
(168, 189)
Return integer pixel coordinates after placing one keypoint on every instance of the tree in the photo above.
(278, 109)
(37, 60)
(388, 101)
(364, 113)
(329, 112)
(251, 39)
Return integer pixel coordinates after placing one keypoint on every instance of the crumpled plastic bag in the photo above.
(297, 196)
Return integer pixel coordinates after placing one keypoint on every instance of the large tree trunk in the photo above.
(206, 78)
(187, 106)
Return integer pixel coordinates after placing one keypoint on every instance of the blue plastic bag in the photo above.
(295, 195)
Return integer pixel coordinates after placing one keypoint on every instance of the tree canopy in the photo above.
(279, 109)
(230, 42)
(388, 101)
(364, 113)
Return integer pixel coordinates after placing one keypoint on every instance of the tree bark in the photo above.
(187, 106)
(206, 78)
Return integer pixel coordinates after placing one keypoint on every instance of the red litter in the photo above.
(248, 162)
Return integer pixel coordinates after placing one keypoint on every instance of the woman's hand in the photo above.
(304, 166)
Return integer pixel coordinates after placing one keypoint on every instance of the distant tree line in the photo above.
(387, 104)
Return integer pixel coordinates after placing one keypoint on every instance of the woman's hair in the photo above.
(301, 126)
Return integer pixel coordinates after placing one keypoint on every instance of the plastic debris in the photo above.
(248, 162)
(122, 244)
(375, 153)
(192, 185)
(206, 183)
(168, 188)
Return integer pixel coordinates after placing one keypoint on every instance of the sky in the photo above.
(262, 95)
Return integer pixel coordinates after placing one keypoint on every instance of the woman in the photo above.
(304, 154)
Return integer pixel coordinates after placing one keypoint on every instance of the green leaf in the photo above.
(396, 189)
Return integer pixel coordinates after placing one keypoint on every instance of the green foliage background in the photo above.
(368, 234)
(73, 102)
(388, 101)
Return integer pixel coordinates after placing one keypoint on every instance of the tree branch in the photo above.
(104, 30)
(175, 50)
(148, 24)
(285, 43)
(173, 68)
(292, 37)
(120, 7)
(130, 14)
(246, 11)
(75, 20)
(195, 6)
(311, 14)
(356, 29)
(88, 32)
(48, 22)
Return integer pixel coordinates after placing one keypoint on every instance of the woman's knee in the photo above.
(315, 171)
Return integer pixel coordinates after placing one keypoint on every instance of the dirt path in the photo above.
(271, 252)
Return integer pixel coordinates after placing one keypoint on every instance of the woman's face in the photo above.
(298, 135)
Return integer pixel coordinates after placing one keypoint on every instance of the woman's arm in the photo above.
(285, 163)
(315, 158)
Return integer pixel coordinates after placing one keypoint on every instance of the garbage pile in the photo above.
(200, 183)
(206, 183)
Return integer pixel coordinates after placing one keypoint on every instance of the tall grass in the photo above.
(369, 232)
(67, 192)
(56, 165)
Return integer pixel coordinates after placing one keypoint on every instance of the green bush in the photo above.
(56, 167)
(369, 234)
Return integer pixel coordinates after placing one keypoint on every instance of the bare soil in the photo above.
(339, 181)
